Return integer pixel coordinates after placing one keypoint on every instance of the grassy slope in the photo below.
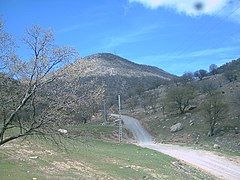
(88, 158)
(196, 135)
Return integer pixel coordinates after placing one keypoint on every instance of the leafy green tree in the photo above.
(213, 69)
(186, 78)
(214, 110)
(180, 97)
(200, 74)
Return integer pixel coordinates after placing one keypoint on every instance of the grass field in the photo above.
(89, 158)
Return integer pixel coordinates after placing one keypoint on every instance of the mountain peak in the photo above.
(106, 57)
(107, 64)
(103, 55)
(119, 75)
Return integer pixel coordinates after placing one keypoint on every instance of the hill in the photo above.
(116, 74)
(106, 64)
(230, 66)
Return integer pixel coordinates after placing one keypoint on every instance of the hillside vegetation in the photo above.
(159, 111)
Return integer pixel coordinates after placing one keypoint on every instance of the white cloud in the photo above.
(205, 7)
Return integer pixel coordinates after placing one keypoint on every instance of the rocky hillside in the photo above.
(168, 125)
(234, 65)
(117, 74)
(106, 64)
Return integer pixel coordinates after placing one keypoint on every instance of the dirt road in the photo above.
(220, 167)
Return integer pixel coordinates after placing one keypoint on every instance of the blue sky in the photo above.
(170, 34)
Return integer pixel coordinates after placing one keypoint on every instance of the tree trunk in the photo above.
(212, 125)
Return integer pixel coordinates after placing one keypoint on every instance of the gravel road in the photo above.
(219, 167)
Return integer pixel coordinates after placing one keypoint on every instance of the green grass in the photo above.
(14, 170)
(88, 158)
(92, 130)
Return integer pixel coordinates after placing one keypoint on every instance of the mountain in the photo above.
(106, 64)
(118, 75)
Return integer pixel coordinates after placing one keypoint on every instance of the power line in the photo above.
(195, 30)
(194, 42)
(207, 32)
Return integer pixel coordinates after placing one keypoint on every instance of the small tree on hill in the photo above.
(214, 110)
(200, 74)
(180, 97)
(186, 78)
(213, 69)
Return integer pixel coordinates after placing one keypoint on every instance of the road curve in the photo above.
(220, 167)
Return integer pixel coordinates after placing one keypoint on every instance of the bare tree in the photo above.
(35, 75)
(180, 97)
(214, 110)
(7, 47)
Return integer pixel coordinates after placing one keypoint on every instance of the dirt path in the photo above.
(207, 161)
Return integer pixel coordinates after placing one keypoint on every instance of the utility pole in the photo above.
(104, 112)
(120, 131)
